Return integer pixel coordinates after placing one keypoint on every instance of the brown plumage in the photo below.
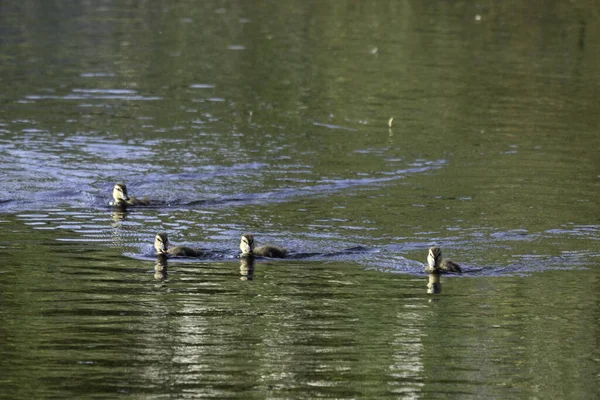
(122, 199)
(161, 244)
(248, 248)
(436, 264)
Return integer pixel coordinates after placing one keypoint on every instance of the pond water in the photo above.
(271, 117)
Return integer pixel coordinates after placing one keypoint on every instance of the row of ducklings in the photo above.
(435, 262)
(247, 246)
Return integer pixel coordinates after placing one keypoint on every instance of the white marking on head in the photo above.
(435, 254)
(247, 244)
(161, 243)
(120, 193)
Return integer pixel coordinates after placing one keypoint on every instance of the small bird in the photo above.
(161, 244)
(436, 264)
(122, 199)
(248, 248)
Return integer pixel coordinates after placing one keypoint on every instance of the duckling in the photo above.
(161, 244)
(437, 264)
(248, 249)
(122, 199)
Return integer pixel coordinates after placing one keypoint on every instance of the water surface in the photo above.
(272, 118)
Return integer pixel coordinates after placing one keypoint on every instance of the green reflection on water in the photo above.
(78, 321)
(502, 97)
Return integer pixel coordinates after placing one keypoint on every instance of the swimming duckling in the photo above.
(437, 264)
(248, 249)
(161, 244)
(122, 199)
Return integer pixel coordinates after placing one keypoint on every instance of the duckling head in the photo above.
(247, 244)
(161, 243)
(434, 256)
(120, 193)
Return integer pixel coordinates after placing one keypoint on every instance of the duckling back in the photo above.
(134, 201)
(183, 251)
(450, 266)
(270, 251)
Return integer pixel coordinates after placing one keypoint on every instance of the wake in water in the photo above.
(79, 171)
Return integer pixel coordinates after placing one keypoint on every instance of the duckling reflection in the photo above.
(161, 244)
(119, 215)
(122, 199)
(434, 285)
(161, 267)
(247, 246)
(247, 268)
(436, 264)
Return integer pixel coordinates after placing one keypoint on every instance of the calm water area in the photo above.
(271, 117)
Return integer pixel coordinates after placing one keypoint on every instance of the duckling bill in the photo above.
(248, 248)
(161, 244)
(122, 199)
(436, 264)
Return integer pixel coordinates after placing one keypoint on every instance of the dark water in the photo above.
(272, 118)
